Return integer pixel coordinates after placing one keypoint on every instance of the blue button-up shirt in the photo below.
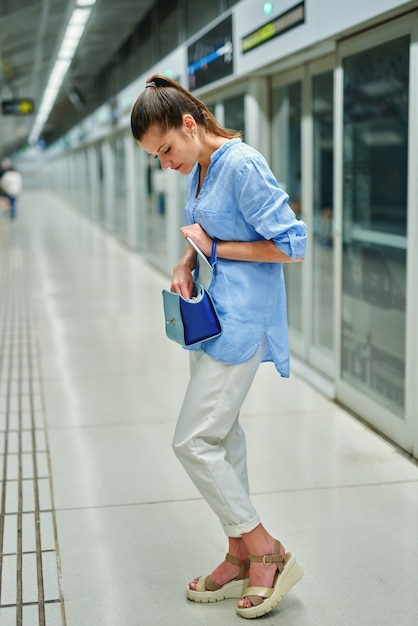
(240, 200)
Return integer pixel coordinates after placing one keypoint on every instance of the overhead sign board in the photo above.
(211, 56)
(17, 106)
(274, 27)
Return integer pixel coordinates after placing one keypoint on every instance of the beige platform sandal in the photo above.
(264, 599)
(207, 590)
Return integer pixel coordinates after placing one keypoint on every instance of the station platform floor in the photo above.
(100, 526)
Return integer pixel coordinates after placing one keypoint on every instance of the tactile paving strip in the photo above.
(30, 589)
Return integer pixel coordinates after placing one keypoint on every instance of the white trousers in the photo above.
(209, 440)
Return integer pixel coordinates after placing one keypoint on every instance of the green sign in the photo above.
(17, 106)
(277, 26)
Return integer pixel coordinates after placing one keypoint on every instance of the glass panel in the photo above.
(101, 209)
(87, 181)
(234, 114)
(374, 215)
(286, 153)
(142, 193)
(199, 15)
(121, 217)
(323, 179)
(157, 217)
(146, 49)
(81, 182)
(168, 16)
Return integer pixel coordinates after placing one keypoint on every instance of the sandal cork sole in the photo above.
(233, 589)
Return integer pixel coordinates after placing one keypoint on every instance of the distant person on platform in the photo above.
(10, 185)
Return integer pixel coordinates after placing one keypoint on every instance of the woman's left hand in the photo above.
(199, 236)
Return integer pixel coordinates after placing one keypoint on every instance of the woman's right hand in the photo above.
(182, 281)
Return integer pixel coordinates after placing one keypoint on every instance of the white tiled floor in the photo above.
(132, 529)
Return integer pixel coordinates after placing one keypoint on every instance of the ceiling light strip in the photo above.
(72, 36)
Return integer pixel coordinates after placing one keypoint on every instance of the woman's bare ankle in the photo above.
(237, 548)
(227, 571)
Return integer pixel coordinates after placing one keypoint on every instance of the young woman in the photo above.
(235, 205)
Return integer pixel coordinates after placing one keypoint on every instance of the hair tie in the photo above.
(159, 81)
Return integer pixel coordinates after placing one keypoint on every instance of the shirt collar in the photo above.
(219, 152)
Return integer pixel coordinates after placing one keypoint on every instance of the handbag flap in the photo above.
(173, 321)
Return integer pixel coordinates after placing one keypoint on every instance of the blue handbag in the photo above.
(191, 321)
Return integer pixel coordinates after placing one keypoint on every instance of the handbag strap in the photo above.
(213, 254)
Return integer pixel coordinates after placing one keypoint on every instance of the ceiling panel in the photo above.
(30, 35)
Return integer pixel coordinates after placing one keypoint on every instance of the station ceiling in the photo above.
(31, 32)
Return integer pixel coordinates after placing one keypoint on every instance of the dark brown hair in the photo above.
(164, 102)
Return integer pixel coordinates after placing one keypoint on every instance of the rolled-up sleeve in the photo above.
(265, 205)
(293, 242)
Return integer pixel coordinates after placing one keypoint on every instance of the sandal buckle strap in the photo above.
(267, 559)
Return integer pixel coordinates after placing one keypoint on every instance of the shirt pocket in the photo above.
(216, 223)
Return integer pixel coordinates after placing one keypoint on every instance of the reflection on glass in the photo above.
(101, 190)
(374, 215)
(157, 217)
(121, 217)
(86, 201)
(199, 15)
(168, 28)
(323, 178)
(234, 116)
(286, 153)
